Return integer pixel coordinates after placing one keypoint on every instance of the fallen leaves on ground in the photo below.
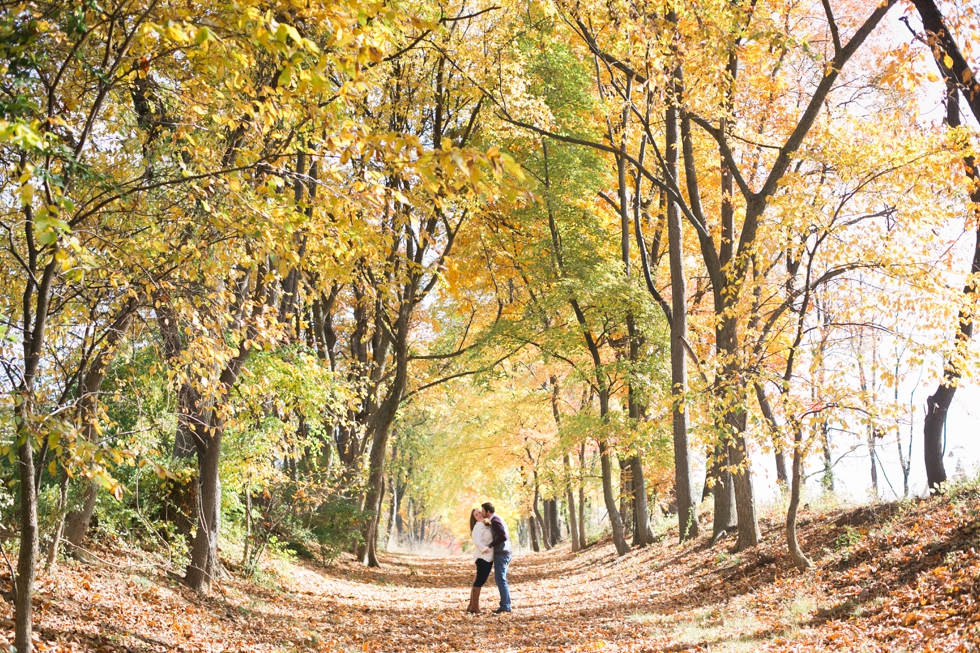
(886, 578)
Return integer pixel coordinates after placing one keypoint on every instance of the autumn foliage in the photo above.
(315, 278)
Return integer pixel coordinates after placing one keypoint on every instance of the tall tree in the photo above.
(961, 81)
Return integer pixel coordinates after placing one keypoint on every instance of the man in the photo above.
(501, 556)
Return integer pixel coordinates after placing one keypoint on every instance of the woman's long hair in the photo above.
(472, 520)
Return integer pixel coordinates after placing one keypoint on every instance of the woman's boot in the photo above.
(474, 606)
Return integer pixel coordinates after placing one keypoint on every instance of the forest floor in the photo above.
(890, 577)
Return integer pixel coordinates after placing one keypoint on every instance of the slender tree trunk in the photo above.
(569, 494)
(540, 523)
(546, 524)
(555, 526)
(643, 534)
(874, 464)
(687, 517)
(795, 553)
(781, 477)
(956, 70)
(207, 429)
(570, 503)
(27, 558)
(37, 295)
(248, 525)
(828, 463)
(605, 462)
(52, 562)
(581, 497)
(626, 498)
(395, 498)
(91, 385)
(533, 528)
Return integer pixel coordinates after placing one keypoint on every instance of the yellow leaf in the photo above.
(948, 61)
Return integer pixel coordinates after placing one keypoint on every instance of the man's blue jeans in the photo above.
(500, 564)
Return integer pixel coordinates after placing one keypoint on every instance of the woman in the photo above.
(483, 554)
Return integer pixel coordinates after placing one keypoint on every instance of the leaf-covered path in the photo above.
(886, 578)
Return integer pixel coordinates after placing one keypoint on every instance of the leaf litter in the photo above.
(885, 578)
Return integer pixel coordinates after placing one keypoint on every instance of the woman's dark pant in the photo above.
(483, 568)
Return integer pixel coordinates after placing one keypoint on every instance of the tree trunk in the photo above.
(540, 523)
(795, 553)
(381, 427)
(248, 525)
(626, 498)
(687, 517)
(581, 497)
(874, 465)
(734, 400)
(27, 557)
(52, 562)
(615, 522)
(207, 427)
(570, 503)
(554, 527)
(937, 406)
(90, 387)
(79, 520)
(371, 558)
(723, 494)
(781, 477)
(533, 528)
(643, 533)
(395, 499)
(748, 524)
(828, 463)
(37, 295)
(203, 566)
(569, 494)
(546, 524)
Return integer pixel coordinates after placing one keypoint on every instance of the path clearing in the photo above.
(885, 579)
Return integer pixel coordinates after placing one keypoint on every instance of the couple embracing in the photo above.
(492, 550)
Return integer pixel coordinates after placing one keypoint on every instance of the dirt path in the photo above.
(561, 603)
(885, 579)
